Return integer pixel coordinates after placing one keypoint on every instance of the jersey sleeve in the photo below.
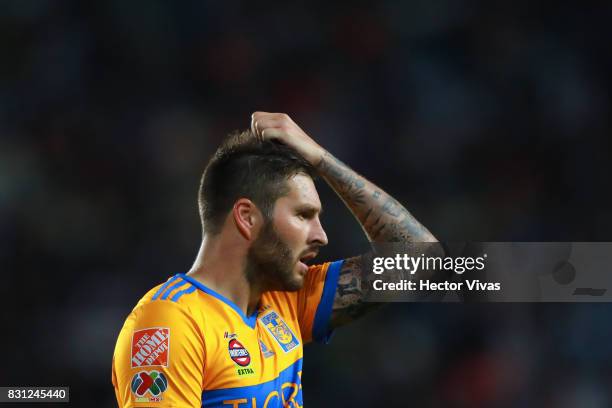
(315, 301)
(159, 357)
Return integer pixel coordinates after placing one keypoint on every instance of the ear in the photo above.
(246, 218)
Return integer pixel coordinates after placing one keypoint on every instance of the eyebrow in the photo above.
(308, 208)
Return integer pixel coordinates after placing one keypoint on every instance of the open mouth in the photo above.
(305, 260)
(308, 257)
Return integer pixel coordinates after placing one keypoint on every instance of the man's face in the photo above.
(293, 236)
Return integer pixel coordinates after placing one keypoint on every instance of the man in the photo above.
(230, 332)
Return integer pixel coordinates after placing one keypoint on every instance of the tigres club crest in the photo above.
(238, 353)
(277, 327)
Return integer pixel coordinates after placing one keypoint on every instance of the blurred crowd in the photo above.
(490, 121)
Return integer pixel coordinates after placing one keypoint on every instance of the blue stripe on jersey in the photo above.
(178, 284)
(271, 394)
(321, 331)
(250, 321)
(164, 286)
(180, 293)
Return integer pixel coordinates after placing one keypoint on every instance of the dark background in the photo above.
(488, 120)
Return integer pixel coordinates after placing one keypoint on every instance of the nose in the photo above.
(317, 233)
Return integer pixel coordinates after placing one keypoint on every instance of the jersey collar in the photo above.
(250, 321)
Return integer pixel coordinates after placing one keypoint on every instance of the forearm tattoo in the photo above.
(382, 218)
(351, 294)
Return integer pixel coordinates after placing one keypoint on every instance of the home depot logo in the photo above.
(151, 347)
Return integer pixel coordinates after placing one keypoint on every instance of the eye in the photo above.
(306, 214)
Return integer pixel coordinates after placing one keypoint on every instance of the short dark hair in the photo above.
(244, 167)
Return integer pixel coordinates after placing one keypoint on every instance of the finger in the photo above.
(255, 118)
(259, 115)
(264, 120)
(254, 127)
(259, 129)
(272, 133)
(269, 122)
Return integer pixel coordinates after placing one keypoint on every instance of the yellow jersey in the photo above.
(185, 345)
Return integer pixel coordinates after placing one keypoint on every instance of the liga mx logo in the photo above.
(149, 382)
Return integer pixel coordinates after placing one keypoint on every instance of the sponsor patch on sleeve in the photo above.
(150, 347)
(148, 386)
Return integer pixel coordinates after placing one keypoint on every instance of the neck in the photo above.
(220, 265)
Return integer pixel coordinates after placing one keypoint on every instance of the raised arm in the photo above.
(382, 218)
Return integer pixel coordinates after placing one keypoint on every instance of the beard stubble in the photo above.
(271, 263)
